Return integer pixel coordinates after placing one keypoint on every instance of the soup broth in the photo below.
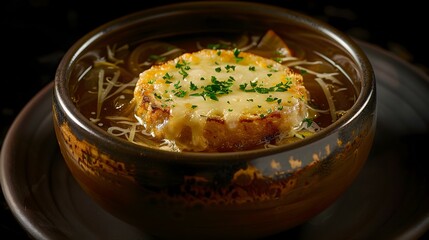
(107, 77)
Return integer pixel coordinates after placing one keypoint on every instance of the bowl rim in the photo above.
(367, 92)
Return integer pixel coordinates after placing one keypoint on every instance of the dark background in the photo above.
(36, 34)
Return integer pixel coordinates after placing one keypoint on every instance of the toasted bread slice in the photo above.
(220, 100)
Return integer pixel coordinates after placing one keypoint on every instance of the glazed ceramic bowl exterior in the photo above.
(248, 194)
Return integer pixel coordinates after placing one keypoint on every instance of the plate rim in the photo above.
(416, 230)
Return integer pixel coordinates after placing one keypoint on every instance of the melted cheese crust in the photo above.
(220, 100)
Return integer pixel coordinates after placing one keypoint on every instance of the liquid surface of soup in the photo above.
(109, 85)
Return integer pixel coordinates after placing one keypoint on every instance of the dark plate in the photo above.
(389, 199)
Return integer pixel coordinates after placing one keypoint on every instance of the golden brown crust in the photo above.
(246, 135)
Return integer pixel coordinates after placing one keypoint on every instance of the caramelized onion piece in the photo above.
(150, 53)
(272, 46)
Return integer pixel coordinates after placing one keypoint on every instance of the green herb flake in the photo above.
(167, 77)
(177, 85)
(192, 86)
(157, 95)
(215, 89)
(255, 86)
(271, 99)
(237, 52)
(272, 69)
(278, 59)
(309, 121)
(183, 67)
(229, 68)
(180, 93)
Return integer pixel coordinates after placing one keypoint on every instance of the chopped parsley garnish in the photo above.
(178, 92)
(229, 68)
(167, 77)
(272, 69)
(183, 67)
(192, 86)
(278, 59)
(273, 99)
(237, 52)
(259, 88)
(309, 121)
(157, 95)
(216, 88)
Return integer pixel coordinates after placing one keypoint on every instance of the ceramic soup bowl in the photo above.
(252, 192)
